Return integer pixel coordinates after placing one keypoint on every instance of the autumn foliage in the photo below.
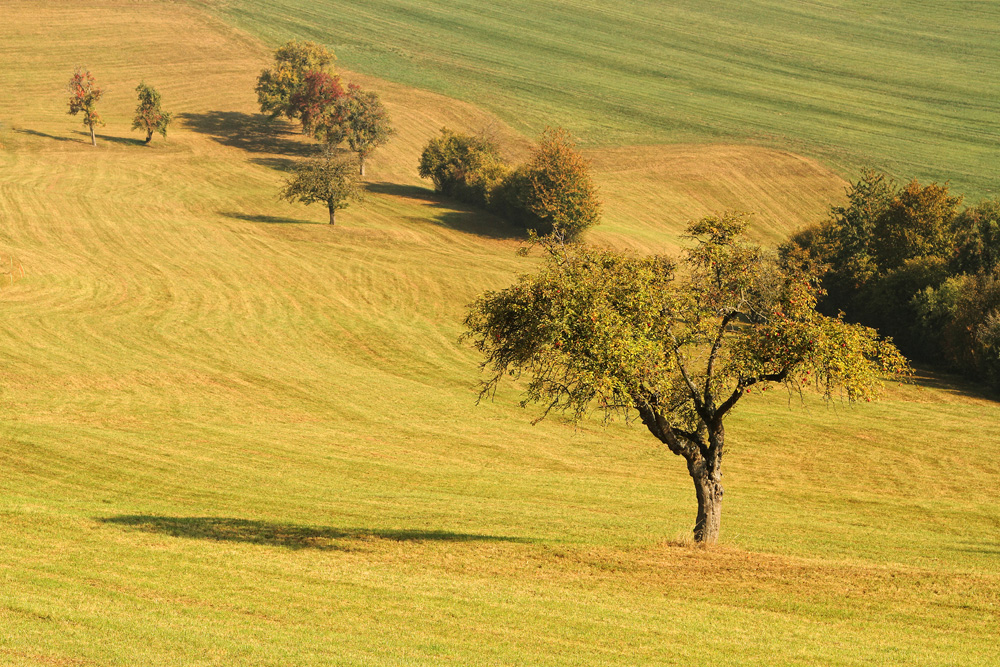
(676, 342)
(84, 95)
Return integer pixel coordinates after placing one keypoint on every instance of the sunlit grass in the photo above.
(231, 434)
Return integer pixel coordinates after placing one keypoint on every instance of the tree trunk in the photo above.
(333, 212)
(149, 136)
(708, 488)
(361, 161)
(93, 138)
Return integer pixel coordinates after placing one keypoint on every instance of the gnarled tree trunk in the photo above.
(708, 488)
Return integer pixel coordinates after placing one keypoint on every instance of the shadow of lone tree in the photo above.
(287, 535)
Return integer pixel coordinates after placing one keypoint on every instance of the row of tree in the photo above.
(551, 192)
(911, 261)
(85, 94)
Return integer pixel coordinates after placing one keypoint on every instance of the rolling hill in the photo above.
(231, 434)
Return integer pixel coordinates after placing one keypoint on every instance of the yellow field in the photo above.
(230, 434)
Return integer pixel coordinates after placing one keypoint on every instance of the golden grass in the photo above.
(229, 435)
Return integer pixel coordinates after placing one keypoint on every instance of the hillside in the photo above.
(232, 435)
(905, 86)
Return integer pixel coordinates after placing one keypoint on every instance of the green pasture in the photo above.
(910, 87)
(231, 434)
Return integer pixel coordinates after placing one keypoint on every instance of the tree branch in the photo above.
(711, 357)
(749, 382)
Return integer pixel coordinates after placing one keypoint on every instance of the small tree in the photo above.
(292, 61)
(330, 179)
(84, 95)
(364, 123)
(632, 335)
(149, 117)
(553, 190)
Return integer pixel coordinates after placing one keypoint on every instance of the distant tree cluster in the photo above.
(912, 262)
(303, 86)
(551, 192)
(85, 94)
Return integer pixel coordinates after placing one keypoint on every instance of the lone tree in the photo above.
(678, 344)
(148, 115)
(84, 94)
(292, 61)
(330, 179)
(361, 119)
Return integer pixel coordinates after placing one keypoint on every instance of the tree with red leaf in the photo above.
(84, 94)
(314, 98)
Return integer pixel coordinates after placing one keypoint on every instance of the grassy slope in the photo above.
(907, 86)
(228, 435)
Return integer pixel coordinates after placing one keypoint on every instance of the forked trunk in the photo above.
(93, 138)
(333, 213)
(708, 488)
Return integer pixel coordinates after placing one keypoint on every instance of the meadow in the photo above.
(907, 87)
(233, 434)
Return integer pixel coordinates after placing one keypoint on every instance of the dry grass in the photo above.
(229, 435)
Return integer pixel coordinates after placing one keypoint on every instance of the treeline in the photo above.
(914, 263)
(551, 192)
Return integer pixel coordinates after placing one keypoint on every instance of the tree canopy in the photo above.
(364, 122)
(292, 61)
(552, 190)
(678, 343)
(463, 166)
(84, 95)
(149, 117)
(330, 179)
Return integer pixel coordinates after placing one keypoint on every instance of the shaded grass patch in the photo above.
(288, 535)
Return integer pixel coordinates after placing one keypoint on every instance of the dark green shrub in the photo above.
(462, 166)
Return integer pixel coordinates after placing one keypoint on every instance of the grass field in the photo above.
(232, 435)
(910, 87)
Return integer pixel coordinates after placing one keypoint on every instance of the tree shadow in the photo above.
(288, 535)
(269, 219)
(952, 384)
(36, 133)
(991, 548)
(127, 141)
(253, 133)
(453, 215)
(282, 164)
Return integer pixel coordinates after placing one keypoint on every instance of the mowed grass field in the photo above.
(910, 87)
(231, 434)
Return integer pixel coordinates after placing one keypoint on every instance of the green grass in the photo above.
(905, 86)
(232, 435)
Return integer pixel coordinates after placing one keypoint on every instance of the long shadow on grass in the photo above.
(452, 214)
(253, 133)
(268, 219)
(127, 141)
(288, 535)
(36, 133)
